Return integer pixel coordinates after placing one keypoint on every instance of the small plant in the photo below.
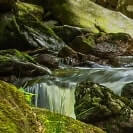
(28, 96)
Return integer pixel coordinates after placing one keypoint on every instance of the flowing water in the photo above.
(56, 92)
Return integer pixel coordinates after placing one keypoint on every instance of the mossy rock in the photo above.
(100, 44)
(85, 13)
(24, 29)
(13, 62)
(16, 116)
(98, 105)
(127, 91)
(29, 9)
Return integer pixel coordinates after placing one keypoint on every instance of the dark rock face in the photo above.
(111, 4)
(99, 105)
(7, 5)
(68, 33)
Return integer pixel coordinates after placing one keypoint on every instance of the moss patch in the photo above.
(57, 123)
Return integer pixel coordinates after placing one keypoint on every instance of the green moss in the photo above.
(25, 8)
(56, 123)
(15, 54)
(15, 115)
(98, 105)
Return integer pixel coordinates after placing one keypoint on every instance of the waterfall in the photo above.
(57, 93)
(57, 97)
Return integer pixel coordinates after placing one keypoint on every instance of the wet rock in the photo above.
(71, 57)
(48, 60)
(74, 58)
(67, 52)
(99, 105)
(25, 30)
(13, 62)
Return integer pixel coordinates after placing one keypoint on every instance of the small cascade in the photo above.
(56, 92)
(57, 97)
(113, 78)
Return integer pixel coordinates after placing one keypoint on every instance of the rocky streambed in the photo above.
(73, 58)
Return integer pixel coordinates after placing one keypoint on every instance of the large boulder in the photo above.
(85, 13)
(16, 116)
(25, 30)
(99, 105)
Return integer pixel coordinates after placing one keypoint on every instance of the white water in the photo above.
(57, 94)
(57, 98)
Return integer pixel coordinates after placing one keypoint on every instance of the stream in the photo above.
(56, 92)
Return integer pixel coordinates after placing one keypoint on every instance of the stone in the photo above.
(13, 62)
(48, 60)
(25, 30)
(85, 13)
(68, 33)
(98, 105)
